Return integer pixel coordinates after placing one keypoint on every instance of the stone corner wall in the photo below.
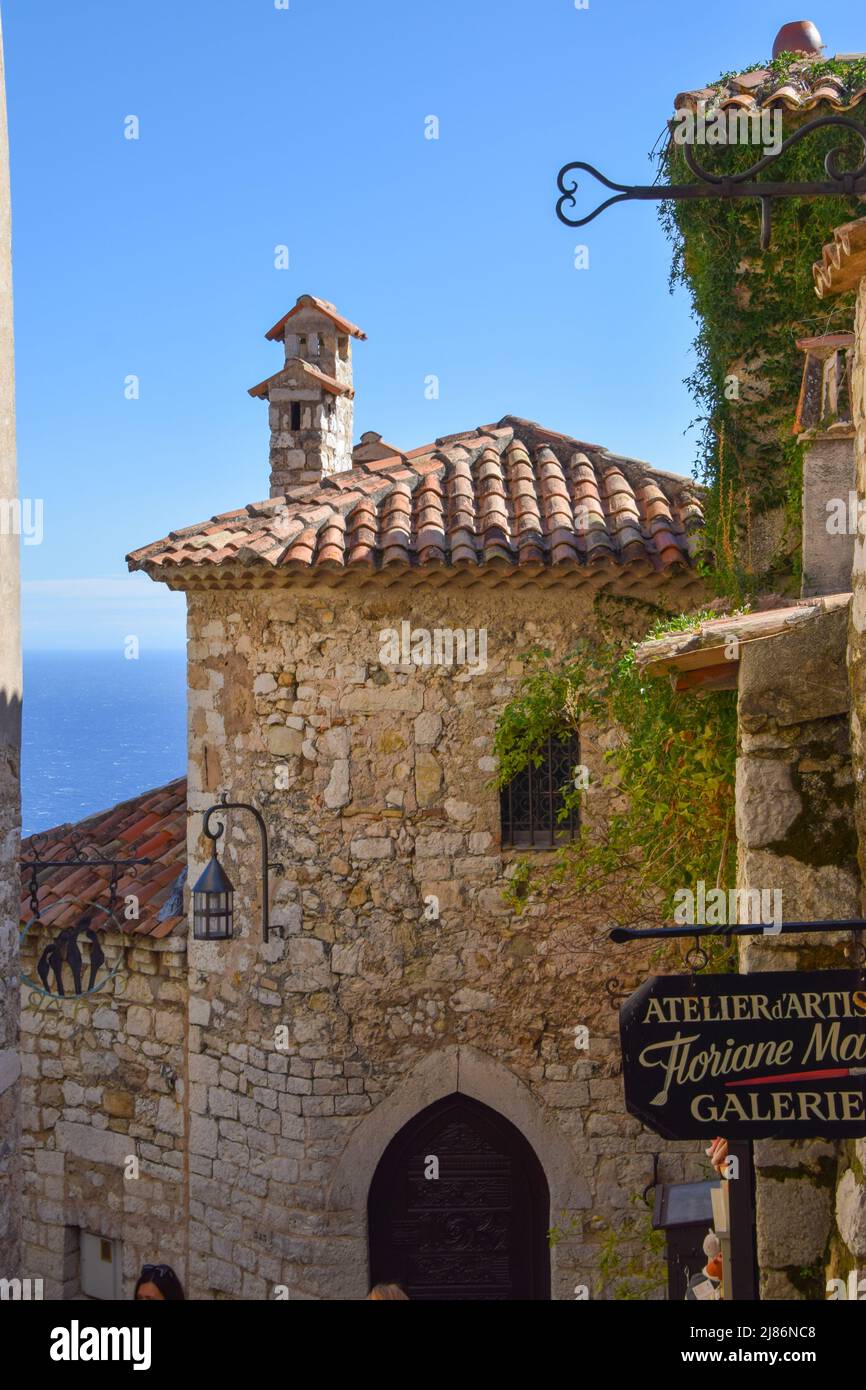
(375, 784)
(828, 477)
(795, 832)
(10, 739)
(104, 1083)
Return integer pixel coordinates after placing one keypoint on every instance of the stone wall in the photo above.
(851, 1195)
(828, 477)
(105, 1081)
(10, 737)
(857, 627)
(795, 832)
(375, 785)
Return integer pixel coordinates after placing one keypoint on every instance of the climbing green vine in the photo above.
(660, 819)
(750, 308)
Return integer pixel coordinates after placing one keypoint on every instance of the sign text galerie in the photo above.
(777, 1057)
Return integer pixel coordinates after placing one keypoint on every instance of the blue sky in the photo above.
(304, 127)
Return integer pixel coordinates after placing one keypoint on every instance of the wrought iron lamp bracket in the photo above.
(268, 866)
(839, 183)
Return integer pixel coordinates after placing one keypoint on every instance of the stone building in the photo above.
(801, 771)
(779, 100)
(10, 738)
(351, 642)
(795, 834)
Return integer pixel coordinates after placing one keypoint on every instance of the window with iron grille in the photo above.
(531, 802)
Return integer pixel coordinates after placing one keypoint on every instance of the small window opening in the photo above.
(531, 802)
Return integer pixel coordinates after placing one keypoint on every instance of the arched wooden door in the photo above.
(477, 1231)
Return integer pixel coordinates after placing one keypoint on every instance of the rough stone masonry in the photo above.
(259, 1085)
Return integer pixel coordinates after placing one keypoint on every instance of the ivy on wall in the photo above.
(750, 307)
(669, 775)
(672, 759)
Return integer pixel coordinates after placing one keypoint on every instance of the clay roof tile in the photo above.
(507, 493)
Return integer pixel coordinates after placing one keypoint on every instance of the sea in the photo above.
(98, 729)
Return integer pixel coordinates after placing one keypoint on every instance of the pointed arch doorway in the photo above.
(478, 1231)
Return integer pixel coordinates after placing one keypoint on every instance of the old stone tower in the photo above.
(311, 396)
(352, 640)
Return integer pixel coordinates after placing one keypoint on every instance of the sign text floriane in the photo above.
(748, 1056)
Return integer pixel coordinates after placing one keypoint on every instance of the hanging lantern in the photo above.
(212, 903)
(212, 917)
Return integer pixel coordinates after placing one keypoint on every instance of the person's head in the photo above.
(157, 1284)
(381, 1292)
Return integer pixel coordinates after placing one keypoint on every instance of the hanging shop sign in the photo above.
(774, 1055)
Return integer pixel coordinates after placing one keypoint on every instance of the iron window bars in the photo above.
(531, 802)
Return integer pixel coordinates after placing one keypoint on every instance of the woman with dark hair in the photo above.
(157, 1284)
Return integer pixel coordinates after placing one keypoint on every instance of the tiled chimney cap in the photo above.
(799, 37)
(312, 301)
(298, 367)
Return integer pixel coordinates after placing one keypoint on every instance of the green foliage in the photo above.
(670, 772)
(750, 307)
(571, 1226)
(634, 1274)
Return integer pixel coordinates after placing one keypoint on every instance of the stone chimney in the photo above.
(311, 397)
(825, 429)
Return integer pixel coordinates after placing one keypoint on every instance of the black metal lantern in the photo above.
(212, 903)
(212, 916)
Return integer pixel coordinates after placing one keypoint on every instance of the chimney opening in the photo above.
(296, 415)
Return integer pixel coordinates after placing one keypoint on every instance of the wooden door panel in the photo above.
(479, 1230)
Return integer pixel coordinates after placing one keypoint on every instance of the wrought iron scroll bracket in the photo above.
(268, 866)
(615, 992)
(840, 182)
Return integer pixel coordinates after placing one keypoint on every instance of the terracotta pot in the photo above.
(799, 37)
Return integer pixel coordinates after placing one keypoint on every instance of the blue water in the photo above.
(98, 729)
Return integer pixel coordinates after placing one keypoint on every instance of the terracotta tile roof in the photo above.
(800, 89)
(843, 261)
(507, 497)
(295, 367)
(150, 826)
(312, 301)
